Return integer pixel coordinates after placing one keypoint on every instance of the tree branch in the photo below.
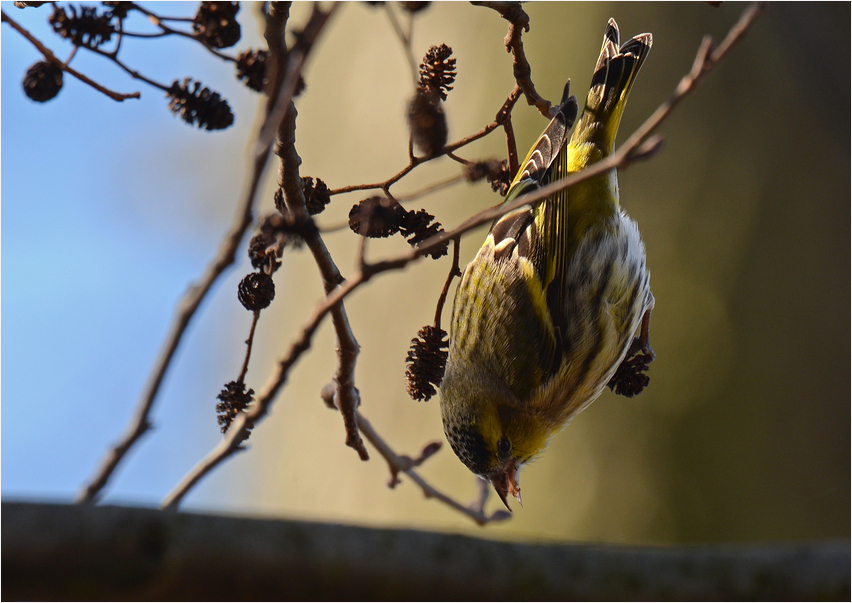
(519, 22)
(124, 553)
(347, 346)
(48, 54)
(405, 464)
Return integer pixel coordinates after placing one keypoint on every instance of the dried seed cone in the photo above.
(43, 81)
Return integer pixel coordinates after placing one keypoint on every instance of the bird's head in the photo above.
(493, 438)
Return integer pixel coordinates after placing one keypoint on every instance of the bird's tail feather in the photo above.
(614, 75)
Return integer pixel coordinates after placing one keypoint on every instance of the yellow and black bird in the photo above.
(548, 309)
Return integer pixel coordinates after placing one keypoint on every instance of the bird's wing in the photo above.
(517, 255)
(529, 229)
(501, 310)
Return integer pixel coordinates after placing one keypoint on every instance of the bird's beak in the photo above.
(507, 482)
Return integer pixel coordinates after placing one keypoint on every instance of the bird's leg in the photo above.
(645, 331)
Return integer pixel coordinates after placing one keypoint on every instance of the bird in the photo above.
(548, 309)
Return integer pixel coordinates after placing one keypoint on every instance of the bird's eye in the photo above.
(504, 446)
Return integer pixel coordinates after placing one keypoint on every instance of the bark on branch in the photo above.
(58, 552)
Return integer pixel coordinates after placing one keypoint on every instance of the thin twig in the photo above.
(249, 345)
(504, 118)
(334, 227)
(511, 145)
(404, 39)
(48, 54)
(159, 34)
(158, 21)
(505, 111)
(469, 139)
(415, 161)
(184, 19)
(131, 72)
(519, 22)
(455, 270)
(458, 159)
(398, 464)
(71, 56)
(431, 188)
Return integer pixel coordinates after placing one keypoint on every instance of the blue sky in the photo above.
(109, 211)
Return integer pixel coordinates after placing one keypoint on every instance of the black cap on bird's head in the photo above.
(497, 466)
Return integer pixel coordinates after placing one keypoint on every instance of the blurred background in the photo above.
(110, 210)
